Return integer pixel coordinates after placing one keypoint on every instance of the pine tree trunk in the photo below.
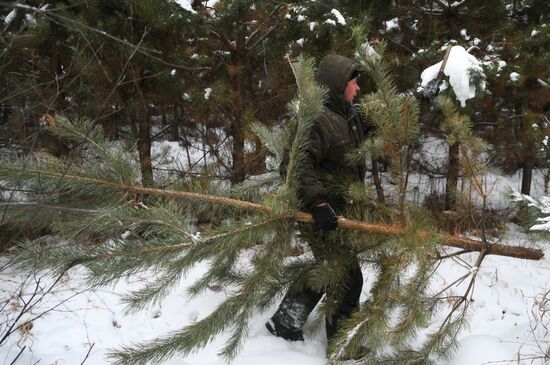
(452, 16)
(447, 239)
(377, 182)
(110, 127)
(237, 153)
(452, 177)
(4, 114)
(174, 127)
(528, 155)
(25, 122)
(527, 176)
(255, 161)
(163, 115)
(144, 150)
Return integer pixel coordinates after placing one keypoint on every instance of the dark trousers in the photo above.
(342, 296)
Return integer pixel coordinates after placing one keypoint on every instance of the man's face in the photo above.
(351, 90)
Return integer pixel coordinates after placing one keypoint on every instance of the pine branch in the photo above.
(446, 239)
(233, 312)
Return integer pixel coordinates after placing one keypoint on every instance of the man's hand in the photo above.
(324, 217)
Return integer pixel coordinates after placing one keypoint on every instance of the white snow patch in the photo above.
(207, 93)
(514, 76)
(300, 41)
(369, 51)
(30, 19)
(480, 349)
(312, 25)
(330, 21)
(464, 34)
(6, 194)
(391, 24)
(301, 18)
(534, 32)
(459, 65)
(338, 16)
(186, 4)
(9, 18)
(172, 156)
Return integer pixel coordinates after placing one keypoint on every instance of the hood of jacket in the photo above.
(334, 72)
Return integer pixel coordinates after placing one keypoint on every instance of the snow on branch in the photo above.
(460, 68)
(542, 205)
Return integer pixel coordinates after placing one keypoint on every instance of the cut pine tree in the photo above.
(447, 239)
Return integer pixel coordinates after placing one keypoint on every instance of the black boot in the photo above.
(290, 317)
(278, 330)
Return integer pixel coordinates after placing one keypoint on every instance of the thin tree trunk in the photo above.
(174, 127)
(453, 22)
(527, 176)
(452, 177)
(4, 114)
(144, 150)
(528, 156)
(546, 181)
(163, 115)
(255, 163)
(25, 122)
(377, 182)
(237, 153)
(143, 121)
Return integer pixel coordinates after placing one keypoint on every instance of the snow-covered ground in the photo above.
(503, 326)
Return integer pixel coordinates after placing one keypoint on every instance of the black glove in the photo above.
(431, 90)
(324, 217)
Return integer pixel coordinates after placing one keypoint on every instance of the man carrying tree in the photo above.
(338, 130)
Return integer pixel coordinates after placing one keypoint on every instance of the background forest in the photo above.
(192, 96)
(154, 70)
